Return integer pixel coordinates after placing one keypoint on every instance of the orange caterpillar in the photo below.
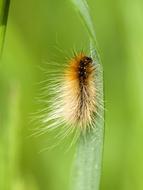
(79, 92)
(73, 96)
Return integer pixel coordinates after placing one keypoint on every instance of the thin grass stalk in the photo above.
(88, 160)
(4, 9)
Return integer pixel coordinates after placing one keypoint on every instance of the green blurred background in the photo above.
(33, 29)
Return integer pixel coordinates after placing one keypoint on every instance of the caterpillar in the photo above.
(72, 96)
(78, 92)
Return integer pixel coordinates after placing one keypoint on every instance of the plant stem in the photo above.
(4, 8)
(88, 161)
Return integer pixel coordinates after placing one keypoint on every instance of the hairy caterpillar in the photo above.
(72, 96)
(78, 92)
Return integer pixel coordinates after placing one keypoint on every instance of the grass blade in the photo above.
(88, 161)
(82, 8)
(4, 8)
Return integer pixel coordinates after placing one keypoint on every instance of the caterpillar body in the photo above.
(79, 93)
(74, 100)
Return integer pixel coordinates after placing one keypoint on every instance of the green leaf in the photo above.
(88, 161)
(4, 9)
